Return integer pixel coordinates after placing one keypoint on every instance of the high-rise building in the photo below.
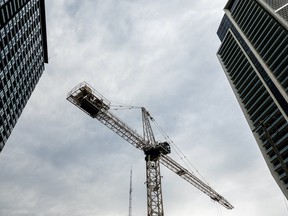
(23, 50)
(254, 57)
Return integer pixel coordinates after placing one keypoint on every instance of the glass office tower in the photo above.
(254, 57)
(23, 48)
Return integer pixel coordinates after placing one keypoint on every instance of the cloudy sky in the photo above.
(158, 54)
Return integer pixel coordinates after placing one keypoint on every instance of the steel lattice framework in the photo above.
(94, 104)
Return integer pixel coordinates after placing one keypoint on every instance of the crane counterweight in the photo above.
(88, 99)
(95, 105)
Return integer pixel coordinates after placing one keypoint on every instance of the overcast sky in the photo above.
(157, 54)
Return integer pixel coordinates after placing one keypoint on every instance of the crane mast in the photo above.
(153, 175)
(95, 105)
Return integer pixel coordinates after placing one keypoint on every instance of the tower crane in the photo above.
(97, 106)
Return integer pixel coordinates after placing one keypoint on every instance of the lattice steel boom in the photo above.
(94, 104)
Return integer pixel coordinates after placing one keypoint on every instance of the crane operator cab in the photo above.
(164, 148)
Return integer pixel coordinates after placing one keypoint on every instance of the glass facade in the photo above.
(23, 52)
(254, 56)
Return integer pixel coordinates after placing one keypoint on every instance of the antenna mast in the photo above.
(130, 194)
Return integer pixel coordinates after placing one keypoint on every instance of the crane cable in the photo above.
(178, 151)
(182, 156)
(218, 208)
(123, 107)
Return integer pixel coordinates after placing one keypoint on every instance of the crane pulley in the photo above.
(97, 106)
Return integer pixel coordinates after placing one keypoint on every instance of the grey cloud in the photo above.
(157, 54)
